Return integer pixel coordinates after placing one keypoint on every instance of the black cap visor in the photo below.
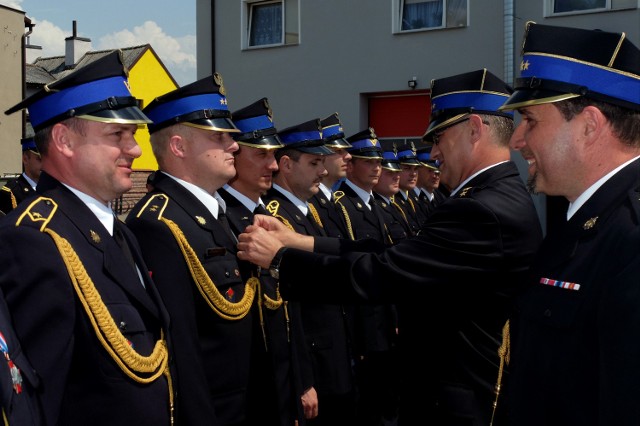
(317, 150)
(220, 124)
(338, 143)
(264, 142)
(393, 166)
(126, 115)
(442, 122)
(368, 153)
(528, 97)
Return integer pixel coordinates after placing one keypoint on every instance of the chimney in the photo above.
(75, 47)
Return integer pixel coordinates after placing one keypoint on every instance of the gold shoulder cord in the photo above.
(130, 362)
(216, 301)
(269, 303)
(211, 294)
(413, 206)
(315, 214)
(14, 202)
(399, 208)
(273, 208)
(504, 351)
(337, 196)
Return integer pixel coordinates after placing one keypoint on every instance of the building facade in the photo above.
(372, 61)
(12, 40)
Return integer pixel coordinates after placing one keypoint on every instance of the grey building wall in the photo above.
(11, 33)
(346, 51)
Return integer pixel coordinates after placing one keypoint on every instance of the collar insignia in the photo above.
(590, 223)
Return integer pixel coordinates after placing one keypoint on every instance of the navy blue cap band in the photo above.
(295, 137)
(254, 123)
(61, 102)
(177, 107)
(596, 78)
(480, 100)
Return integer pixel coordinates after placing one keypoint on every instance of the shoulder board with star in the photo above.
(38, 214)
(154, 206)
(337, 195)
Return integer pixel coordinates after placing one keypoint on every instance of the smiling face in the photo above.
(93, 157)
(547, 142)
(453, 150)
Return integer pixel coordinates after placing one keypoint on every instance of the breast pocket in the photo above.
(555, 307)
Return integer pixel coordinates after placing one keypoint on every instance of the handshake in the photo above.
(260, 242)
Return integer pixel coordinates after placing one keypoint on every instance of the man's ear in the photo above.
(61, 139)
(593, 121)
(475, 124)
(284, 165)
(177, 146)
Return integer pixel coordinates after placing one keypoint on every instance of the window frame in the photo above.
(610, 5)
(290, 10)
(398, 12)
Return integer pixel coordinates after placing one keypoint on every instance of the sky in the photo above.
(169, 26)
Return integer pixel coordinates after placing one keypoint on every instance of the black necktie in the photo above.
(377, 211)
(222, 218)
(260, 210)
(122, 242)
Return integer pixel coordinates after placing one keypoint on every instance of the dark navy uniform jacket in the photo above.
(375, 324)
(19, 401)
(80, 383)
(212, 353)
(457, 277)
(278, 342)
(13, 192)
(325, 325)
(394, 219)
(575, 347)
(332, 221)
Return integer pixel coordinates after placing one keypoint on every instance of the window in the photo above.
(270, 23)
(587, 6)
(420, 14)
(265, 24)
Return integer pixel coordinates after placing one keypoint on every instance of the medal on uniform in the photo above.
(16, 377)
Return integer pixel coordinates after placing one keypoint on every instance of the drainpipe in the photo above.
(213, 36)
(28, 24)
(508, 23)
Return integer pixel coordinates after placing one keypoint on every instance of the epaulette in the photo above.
(337, 195)
(5, 188)
(38, 214)
(273, 207)
(155, 206)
